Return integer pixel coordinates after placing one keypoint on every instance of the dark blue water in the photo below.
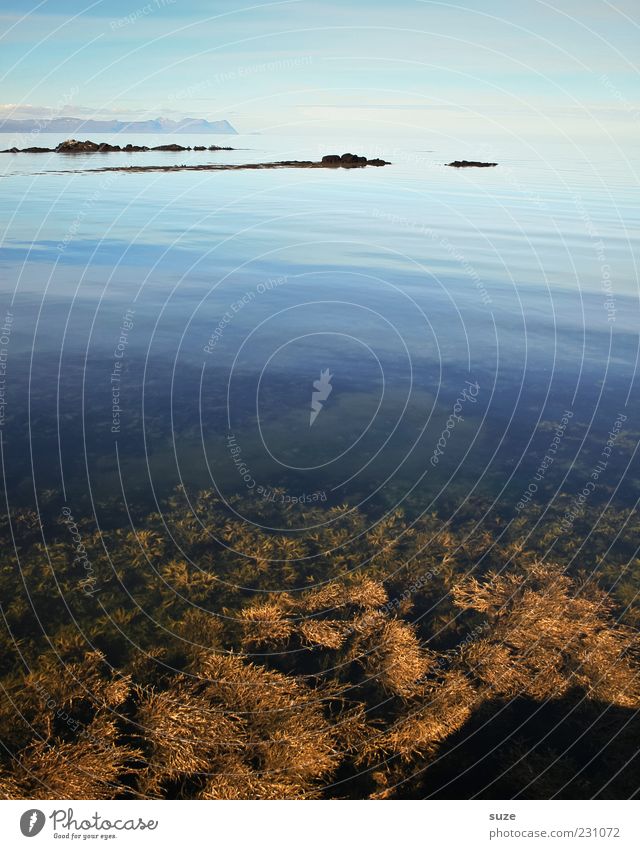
(167, 329)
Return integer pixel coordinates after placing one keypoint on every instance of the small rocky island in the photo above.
(466, 163)
(347, 160)
(75, 146)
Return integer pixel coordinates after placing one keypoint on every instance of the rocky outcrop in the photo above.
(326, 162)
(352, 159)
(171, 147)
(87, 146)
(349, 160)
(74, 146)
(466, 163)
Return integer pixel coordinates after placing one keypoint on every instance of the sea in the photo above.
(412, 337)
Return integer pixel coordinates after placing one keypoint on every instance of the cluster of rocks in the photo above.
(360, 162)
(349, 160)
(466, 163)
(332, 160)
(75, 146)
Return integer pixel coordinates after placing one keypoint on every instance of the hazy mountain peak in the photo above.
(157, 125)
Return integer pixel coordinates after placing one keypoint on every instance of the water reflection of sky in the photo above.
(404, 282)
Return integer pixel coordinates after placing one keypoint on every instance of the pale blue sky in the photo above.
(523, 65)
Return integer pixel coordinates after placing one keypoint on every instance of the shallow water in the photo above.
(460, 315)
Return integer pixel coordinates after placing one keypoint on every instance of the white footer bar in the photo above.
(322, 824)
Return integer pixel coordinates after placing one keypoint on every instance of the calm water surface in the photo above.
(168, 328)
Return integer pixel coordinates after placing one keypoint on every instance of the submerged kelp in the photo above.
(200, 657)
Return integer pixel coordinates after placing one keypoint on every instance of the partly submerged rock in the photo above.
(466, 163)
(176, 147)
(327, 162)
(28, 150)
(349, 160)
(352, 159)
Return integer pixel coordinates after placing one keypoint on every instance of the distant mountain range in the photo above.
(74, 125)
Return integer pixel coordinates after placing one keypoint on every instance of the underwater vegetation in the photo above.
(198, 656)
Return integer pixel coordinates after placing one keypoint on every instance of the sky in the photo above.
(486, 66)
